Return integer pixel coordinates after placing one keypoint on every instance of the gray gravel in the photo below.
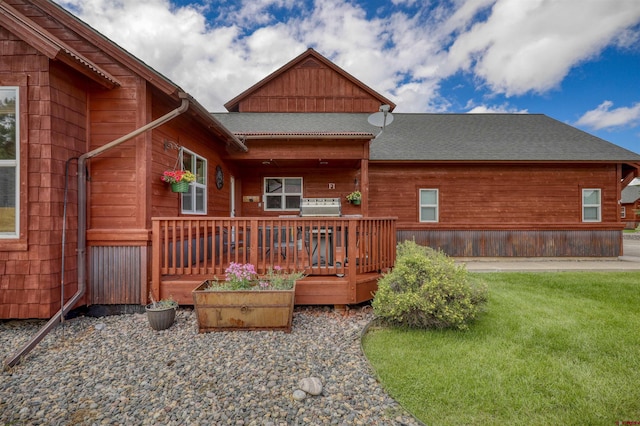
(116, 370)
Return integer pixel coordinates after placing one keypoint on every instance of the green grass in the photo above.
(551, 348)
(7, 219)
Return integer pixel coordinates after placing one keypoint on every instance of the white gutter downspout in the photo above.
(82, 227)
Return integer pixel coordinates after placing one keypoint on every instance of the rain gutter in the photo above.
(82, 227)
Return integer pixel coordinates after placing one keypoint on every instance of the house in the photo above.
(469, 184)
(630, 206)
(86, 219)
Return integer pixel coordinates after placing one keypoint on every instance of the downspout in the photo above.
(82, 227)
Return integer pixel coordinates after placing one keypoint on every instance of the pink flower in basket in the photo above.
(175, 176)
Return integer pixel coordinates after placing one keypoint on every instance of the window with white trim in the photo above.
(591, 205)
(282, 193)
(428, 205)
(9, 167)
(195, 200)
(623, 212)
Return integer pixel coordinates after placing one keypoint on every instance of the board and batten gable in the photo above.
(308, 83)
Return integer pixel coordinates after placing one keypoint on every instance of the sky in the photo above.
(577, 61)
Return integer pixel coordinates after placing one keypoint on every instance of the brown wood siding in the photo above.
(310, 87)
(502, 196)
(115, 201)
(185, 133)
(53, 114)
(631, 219)
(115, 275)
(315, 182)
(519, 243)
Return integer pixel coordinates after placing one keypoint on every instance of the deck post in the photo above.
(253, 244)
(155, 262)
(352, 255)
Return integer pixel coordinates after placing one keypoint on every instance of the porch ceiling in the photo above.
(306, 163)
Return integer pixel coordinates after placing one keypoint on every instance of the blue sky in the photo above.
(577, 61)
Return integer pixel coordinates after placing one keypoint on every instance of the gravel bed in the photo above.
(116, 370)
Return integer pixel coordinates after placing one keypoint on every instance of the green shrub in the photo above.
(426, 289)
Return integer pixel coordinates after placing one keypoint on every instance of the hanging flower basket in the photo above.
(178, 179)
(354, 198)
(180, 187)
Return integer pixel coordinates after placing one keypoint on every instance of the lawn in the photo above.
(7, 219)
(551, 348)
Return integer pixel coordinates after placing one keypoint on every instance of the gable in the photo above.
(309, 83)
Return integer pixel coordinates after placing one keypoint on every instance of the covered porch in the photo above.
(343, 257)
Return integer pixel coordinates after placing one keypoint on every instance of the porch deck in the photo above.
(342, 257)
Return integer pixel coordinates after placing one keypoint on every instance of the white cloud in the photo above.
(496, 109)
(531, 45)
(604, 117)
(510, 46)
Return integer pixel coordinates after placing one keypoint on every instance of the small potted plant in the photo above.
(246, 300)
(355, 197)
(161, 314)
(179, 179)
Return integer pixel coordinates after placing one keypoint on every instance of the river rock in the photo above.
(299, 395)
(311, 385)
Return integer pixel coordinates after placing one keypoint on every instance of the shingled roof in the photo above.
(630, 194)
(445, 137)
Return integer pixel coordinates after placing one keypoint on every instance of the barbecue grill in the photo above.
(320, 207)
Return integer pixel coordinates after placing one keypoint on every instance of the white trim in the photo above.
(435, 206)
(16, 165)
(196, 186)
(283, 195)
(597, 206)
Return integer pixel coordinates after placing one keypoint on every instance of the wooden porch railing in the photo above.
(318, 246)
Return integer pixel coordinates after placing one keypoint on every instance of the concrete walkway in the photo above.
(630, 261)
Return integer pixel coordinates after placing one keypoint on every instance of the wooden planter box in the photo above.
(243, 310)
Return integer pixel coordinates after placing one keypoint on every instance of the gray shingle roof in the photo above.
(447, 137)
(630, 194)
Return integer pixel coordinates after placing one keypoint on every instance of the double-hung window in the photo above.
(282, 193)
(9, 165)
(591, 205)
(195, 200)
(428, 205)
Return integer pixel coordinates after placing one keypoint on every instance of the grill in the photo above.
(310, 207)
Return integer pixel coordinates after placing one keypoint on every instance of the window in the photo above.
(428, 205)
(591, 206)
(282, 193)
(9, 167)
(623, 212)
(195, 201)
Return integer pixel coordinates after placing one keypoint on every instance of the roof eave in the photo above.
(358, 136)
(44, 42)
